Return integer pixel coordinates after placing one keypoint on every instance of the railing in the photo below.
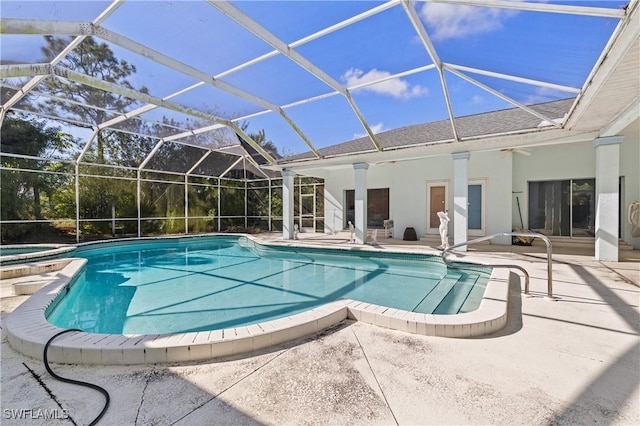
(520, 268)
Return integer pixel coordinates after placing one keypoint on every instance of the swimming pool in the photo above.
(210, 283)
(28, 330)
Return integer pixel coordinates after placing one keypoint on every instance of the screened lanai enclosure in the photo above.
(176, 189)
(143, 118)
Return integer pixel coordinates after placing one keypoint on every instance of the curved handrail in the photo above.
(544, 238)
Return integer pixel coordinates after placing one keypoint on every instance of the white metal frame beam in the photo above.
(96, 83)
(314, 36)
(146, 160)
(504, 97)
(120, 117)
(38, 78)
(21, 26)
(235, 163)
(431, 50)
(458, 69)
(516, 79)
(18, 71)
(252, 26)
(53, 117)
(253, 162)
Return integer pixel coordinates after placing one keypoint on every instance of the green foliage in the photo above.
(232, 201)
(276, 201)
(203, 200)
(26, 195)
(258, 202)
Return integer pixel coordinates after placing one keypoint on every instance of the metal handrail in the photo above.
(512, 234)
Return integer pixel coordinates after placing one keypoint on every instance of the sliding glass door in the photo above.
(583, 209)
(563, 207)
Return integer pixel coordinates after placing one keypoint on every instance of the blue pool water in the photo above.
(23, 253)
(12, 251)
(170, 286)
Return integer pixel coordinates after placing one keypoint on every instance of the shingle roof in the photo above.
(489, 123)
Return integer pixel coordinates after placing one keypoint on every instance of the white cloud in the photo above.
(542, 94)
(376, 128)
(448, 21)
(477, 99)
(397, 88)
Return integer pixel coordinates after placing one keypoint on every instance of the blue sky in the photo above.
(555, 48)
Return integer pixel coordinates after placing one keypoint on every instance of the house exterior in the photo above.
(574, 176)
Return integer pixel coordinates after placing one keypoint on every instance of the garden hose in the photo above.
(76, 382)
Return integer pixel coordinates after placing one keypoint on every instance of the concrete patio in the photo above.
(575, 360)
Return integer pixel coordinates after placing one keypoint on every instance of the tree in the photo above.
(22, 190)
(95, 60)
(261, 139)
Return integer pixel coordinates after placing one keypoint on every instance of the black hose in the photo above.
(76, 382)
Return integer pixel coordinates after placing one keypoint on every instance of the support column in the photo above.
(607, 197)
(186, 203)
(139, 202)
(460, 197)
(361, 202)
(288, 189)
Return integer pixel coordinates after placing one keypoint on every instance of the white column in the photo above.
(361, 202)
(460, 197)
(607, 197)
(287, 204)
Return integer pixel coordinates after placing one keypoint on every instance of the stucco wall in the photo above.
(505, 174)
(497, 169)
(407, 183)
(335, 182)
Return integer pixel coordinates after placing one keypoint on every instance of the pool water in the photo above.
(23, 253)
(169, 286)
(12, 251)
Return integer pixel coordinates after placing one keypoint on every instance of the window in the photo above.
(377, 207)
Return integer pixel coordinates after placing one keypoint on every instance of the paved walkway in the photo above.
(572, 361)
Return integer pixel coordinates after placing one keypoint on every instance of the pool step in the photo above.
(432, 299)
(454, 300)
(475, 297)
(450, 295)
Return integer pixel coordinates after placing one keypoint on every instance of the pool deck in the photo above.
(575, 360)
